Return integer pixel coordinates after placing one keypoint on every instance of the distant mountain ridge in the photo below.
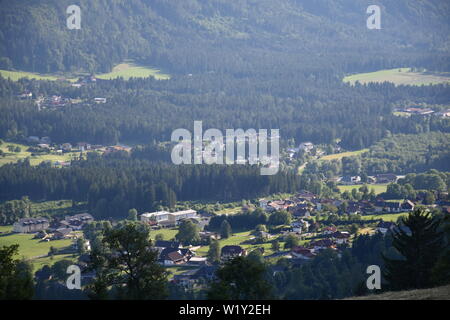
(221, 35)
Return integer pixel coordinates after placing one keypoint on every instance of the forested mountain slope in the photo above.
(237, 36)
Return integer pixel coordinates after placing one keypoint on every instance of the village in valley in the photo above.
(297, 228)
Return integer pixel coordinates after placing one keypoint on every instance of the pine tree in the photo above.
(16, 277)
(225, 229)
(126, 265)
(214, 251)
(420, 249)
(241, 279)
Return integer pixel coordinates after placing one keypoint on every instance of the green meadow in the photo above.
(240, 239)
(16, 75)
(130, 70)
(379, 188)
(400, 76)
(125, 70)
(30, 248)
(341, 155)
(167, 233)
(385, 216)
(12, 157)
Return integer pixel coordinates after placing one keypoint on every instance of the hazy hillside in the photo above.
(221, 35)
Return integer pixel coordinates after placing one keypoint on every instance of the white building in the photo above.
(170, 217)
(156, 216)
(175, 217)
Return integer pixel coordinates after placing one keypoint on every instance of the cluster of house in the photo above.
(384, 227)
(57, 101)
(44, 144)
(171, 253)
(305, 203)
(57, 229)
(117, 148)
(424, 111)
(379, 179)
(305, 147)
(54, 102)
(167, 219)
(329, 238)
(203, 272)
(82, 81)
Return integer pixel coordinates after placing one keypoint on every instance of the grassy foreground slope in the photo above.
(439, 293)
(399, 76)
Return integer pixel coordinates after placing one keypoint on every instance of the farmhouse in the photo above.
(322, 244)
(385, 226)
(392, 207)
(302, 253)
(341, 237)
(62, 233)
(305, 195)
(29, 225)
(229, 252)
(408, 205)
(173, 256)
(207, 235)
(386, 178)
(77, 221)
(348, 180)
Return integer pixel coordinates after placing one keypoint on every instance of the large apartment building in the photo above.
(168, 218)
(29, 225)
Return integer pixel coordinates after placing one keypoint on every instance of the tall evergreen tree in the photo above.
(241, 279)
(16, 277)
(420, 247)
(225, 229)
(441, 272)
(126, 266)
(214, 251)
